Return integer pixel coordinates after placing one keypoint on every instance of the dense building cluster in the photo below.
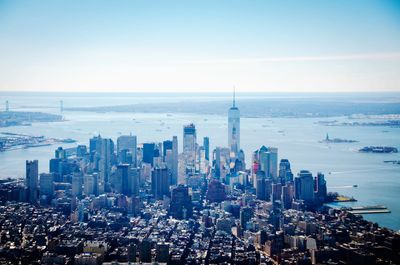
(145, 203)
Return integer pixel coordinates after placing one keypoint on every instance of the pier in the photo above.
(368, 209)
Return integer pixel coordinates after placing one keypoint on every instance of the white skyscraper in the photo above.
(234, 127)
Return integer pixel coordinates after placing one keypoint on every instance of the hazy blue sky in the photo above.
(148, 45)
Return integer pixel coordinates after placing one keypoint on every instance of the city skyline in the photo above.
(263, 46)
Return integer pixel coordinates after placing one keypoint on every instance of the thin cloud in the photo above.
(347, 57)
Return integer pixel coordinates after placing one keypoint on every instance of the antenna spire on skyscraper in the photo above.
(234, 92)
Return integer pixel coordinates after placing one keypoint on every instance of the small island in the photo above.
(13, 141)
(336, 140)
(378, 149)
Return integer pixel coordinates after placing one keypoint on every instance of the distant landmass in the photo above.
(258, 108)
(378, 149)
(20, 118)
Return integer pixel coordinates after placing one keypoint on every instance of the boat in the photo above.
(355, 186)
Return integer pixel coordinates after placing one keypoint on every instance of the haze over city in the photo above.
(199, 46)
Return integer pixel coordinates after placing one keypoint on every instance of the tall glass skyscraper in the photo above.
(234, 127)
(189, 145)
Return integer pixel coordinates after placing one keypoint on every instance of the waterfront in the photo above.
(296, 138)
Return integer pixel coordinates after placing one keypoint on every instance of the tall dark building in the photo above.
(285, 173)
(304, 186)
(320, 188)
(287, 195)
(276, 193)
(145, 250)
(162, 252)
(246, 213)
(81, 150)
(94, 144)
(181, 203)
(160, 181)
(167, 145)
(206, 144)
(32, 176)
(216, 191)
(148, 153)
(54, 166)
(123, 177)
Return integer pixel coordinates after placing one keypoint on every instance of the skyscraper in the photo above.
(285, 173)
(304, 186)
(128, 142)
(32, 175)
(246, 213)
(167, 145)
(268, 159)
(160, 182)
(77, 181)
(175, 159)
(123, 178)
(234, 127)
(90, 184)
(189, 145)
(134, 181)
(148, 153)
(320, 188)
(206, 144)
(106, 153)
(181, 203)
(46, 184)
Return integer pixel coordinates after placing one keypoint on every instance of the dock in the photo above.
(368, 209)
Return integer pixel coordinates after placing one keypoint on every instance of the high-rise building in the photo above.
(175, 159)
(206, 144)
(106, 153)
(285, 173)
(234, 127)
(181, 203)
(81, 150)
(162, 252)
(90, 184)
(189, 146)
(246, 213)
(46, 184)
(148, 153)
(145, 250)
(287, 195)
(60, 153)
(320, 188)
(167, 145)
(268, 159)
(276, 192)
(160, 181)
(77, 181)
(123, 179)
(134, 181)
(304, 186)
(32, 175)
(216, 191)
(54, 166)
(128, 142)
